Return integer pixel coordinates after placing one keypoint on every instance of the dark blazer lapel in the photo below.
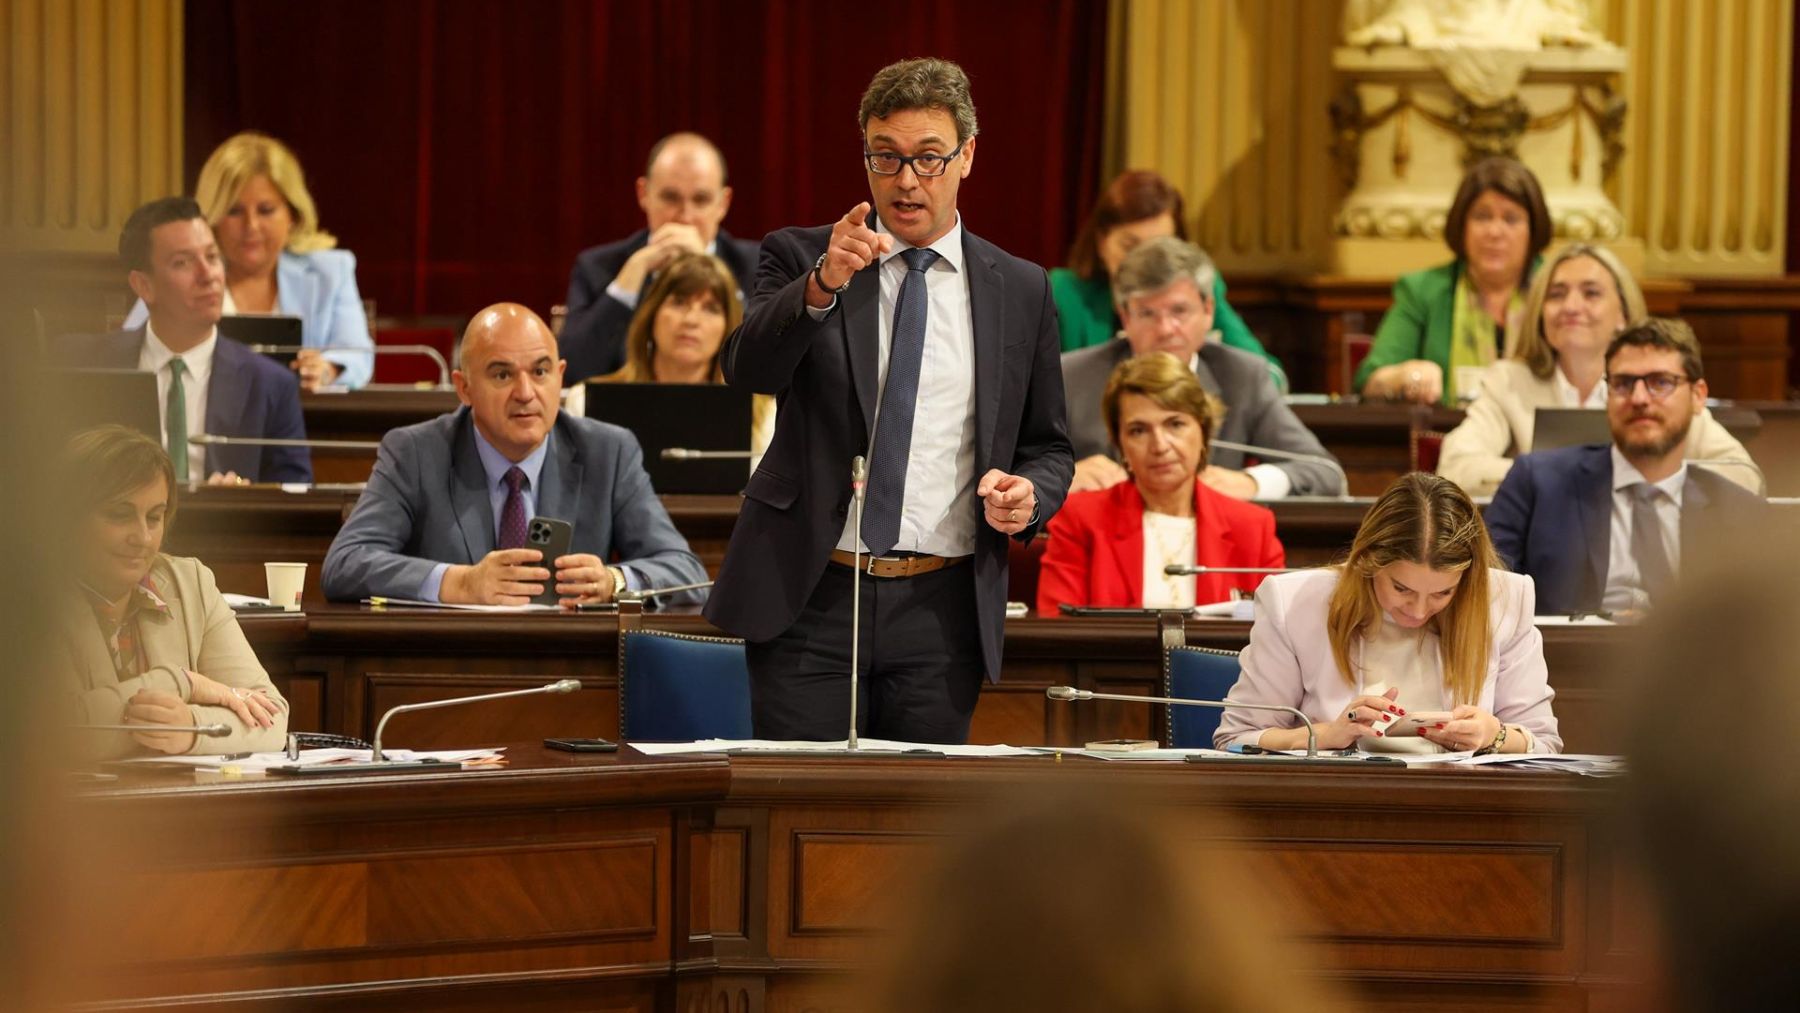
(228, 390)
(559, 483)
(1594, 505)
(862, 330)
(469, 493)
(987, 310)
(1695, 504)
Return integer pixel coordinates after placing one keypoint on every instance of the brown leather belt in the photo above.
(896, 566)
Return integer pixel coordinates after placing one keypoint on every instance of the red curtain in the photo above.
(466, 150)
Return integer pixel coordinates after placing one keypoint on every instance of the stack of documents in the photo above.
(776, 745)
(258, 764)
(1588, 764)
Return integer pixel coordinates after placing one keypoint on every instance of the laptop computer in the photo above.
(692, 416)
(267, 331)
(95, 397)
(1569, 427)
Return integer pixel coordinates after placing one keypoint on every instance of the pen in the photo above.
(234, 756)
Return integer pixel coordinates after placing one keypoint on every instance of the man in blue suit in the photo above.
(445, 513)
(895, 312)
(684, 197)
(1606, 526)
(204, 384)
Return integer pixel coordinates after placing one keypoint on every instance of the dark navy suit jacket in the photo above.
(1551, 518)
(247, 395)
(593, 334)
(825, 374)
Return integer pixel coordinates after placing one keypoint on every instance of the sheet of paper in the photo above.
(756, 745)
(244, 600)
(1585, 619)
(412, 603)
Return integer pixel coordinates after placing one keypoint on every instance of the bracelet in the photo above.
(1494, 746)
(819, 278)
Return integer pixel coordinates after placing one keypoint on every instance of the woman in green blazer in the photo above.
(1138, 206)
(1450, 322)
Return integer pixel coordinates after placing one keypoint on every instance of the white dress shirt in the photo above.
(1571, 398)
(938, 513)
(1624, 586)
(154, 358)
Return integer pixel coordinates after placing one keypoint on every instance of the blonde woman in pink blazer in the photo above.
(1419, 617)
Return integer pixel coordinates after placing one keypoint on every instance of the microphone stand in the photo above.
(212, 440)
(214, 731)
(378, 761)
(859, 481)
(1070, 694)
(425, 351)
(686, 454)
(1192, 570)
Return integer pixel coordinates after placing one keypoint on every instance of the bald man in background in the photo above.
(444, 516)
(684, 197)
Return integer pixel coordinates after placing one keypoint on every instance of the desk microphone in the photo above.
(647, 593)
(214, 440)
(424, 351)
(1191, 570)
(859, 482)
(688, 454)
(1072, 695)
(215, 731)
(1289, 455)
(375, 754)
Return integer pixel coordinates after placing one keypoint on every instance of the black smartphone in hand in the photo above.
(551, 537)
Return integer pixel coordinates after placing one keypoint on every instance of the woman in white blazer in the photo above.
(278, 260)
(1419, 617)
(1582, 298)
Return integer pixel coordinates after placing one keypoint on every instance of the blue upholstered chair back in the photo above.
(674, 687)
(1196, 673)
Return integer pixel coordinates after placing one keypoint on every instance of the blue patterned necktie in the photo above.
(894, 421)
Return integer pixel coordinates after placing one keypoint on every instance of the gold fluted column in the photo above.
(90, 118)
(1228, 99)
(1704, 180)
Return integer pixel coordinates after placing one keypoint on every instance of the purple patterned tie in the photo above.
(894, 420)
(512, 516)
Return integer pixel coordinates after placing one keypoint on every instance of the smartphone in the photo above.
(582, 745)
(1402, 727)
(552, 538)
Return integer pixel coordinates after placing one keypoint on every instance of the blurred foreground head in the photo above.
(1713, 794)
(1082, 901)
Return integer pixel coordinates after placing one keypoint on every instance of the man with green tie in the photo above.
(203, 384)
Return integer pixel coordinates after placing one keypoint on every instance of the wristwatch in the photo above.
(819, 278)
(618, 577)
(1494, 746)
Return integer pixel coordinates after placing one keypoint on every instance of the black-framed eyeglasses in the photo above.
(1658, 385)
(886, 163)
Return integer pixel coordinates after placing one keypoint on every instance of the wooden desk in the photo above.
(632, 883)
(342, 666)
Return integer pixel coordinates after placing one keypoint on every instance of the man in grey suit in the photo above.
(1164, 288)
(445, 513)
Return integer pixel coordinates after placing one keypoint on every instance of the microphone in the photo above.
(215, 731)
(687, 454)
(424, 351)
(1073, 695)
(215, 440)
(859, 481)
(1289, 455)
(559, 686)
(1189, 570)
(645, 594)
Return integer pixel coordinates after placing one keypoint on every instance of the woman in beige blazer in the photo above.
(1581, 300)
(147, 637)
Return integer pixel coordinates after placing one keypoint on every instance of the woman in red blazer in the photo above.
(1108, 547)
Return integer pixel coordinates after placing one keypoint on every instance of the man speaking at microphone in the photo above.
(893, 333)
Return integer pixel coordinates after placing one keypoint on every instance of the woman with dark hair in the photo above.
(1421, 617)
(1136, 207)
(148, 638)
(678, 330)
(1449, 323)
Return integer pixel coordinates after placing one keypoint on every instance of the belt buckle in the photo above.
(869, 565)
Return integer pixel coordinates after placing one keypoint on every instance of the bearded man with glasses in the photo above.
(1604, 527)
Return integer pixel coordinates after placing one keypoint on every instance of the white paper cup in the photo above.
(286, 581)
